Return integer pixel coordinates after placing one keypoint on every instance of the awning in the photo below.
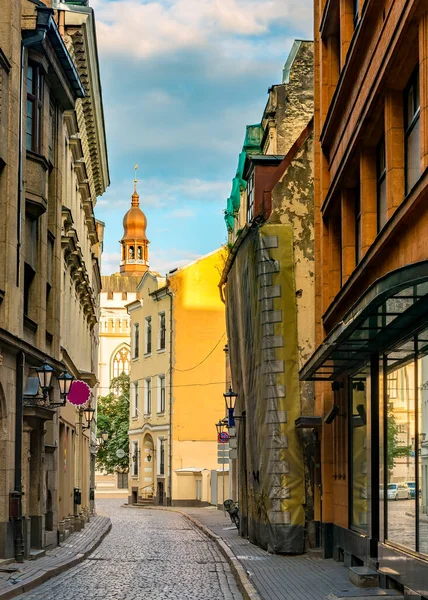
(391, 309)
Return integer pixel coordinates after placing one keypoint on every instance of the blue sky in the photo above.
(181, 79)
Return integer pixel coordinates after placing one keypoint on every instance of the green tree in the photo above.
(113, 417)
(394, 450)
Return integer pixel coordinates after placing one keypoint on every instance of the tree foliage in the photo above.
(113, 417)
(394, 450)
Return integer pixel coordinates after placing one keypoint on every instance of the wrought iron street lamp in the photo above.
(44, 374)
(89, 415)
(219, 427)
(230, 399)
(104, 435)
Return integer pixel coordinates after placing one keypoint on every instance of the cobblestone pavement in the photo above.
(148, 555)
(402, 524)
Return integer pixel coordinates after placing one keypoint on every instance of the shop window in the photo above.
(381, 185)
(412, 131)
(34, 107)
(359, 451)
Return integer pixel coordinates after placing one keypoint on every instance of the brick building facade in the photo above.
(371, 227)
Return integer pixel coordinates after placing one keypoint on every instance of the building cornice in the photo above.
(148, 427)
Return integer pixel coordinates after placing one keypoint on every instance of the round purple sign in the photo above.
(79, 393)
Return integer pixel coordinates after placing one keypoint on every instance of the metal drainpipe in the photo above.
(25, 43)
(170, 401)
(17, 493)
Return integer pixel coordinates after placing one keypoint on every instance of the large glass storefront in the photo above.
(406, 447)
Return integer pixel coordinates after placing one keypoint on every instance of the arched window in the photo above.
(140, 253)
(121, 361)
(131, 252)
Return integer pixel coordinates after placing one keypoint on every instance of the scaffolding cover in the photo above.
(262, 331)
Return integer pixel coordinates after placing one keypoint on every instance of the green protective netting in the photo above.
(262, 337)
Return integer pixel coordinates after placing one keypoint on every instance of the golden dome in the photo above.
(134, 221)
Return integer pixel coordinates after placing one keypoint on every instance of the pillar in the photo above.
(346, 28)
(423, 87)
(394, 150)
(368, 186)
(348, 233)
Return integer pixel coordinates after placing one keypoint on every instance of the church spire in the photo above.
(135, 245)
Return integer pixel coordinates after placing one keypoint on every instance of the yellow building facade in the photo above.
(177, 383)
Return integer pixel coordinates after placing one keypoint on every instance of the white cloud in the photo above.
(110, 262)
(148, 28)
(181, 213)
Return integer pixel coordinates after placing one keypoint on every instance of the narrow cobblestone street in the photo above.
(148, 555)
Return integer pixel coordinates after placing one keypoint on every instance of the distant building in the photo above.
(268, 286)
(119, 290)
(177, 384)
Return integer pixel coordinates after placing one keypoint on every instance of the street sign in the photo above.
(223, 437)
(233, 443)
(223, 461)
(233, 453)
(223, 453)
(120, 453)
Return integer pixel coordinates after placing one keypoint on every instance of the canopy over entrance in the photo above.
(391, 309)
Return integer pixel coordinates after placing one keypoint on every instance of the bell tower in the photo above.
(134, 242)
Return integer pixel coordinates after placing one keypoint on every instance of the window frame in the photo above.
(148, 335)
(412, 84)
(148, 396)
(135, 458)
(162, 330)
(381, 181)
(161, 394)
(135, 340)
(35, 97)
(135, 398)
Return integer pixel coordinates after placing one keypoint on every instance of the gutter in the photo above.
(170, 294)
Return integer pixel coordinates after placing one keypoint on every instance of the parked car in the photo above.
(412, 487)
(398, 491)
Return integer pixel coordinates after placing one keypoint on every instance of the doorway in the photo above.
(160, 493)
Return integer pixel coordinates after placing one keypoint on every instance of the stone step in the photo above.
(363, 577)
(35, 553)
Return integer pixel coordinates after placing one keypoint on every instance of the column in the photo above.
(334, 258)
(394, 150)
(368, 186)
(348, 233)
(346, 28)
(423, 87)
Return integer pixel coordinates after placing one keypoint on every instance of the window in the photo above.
(131, 252)
(148, 335)
(357, 226)
(122, 481)
(148, 396)
(412, 132)
(134, 398)
(34, 107)
(52, 133)
(359, 452)
(381, 185)
(356, 12)
(109, 295)
(124, 295)
(162, 331)
(162, 457)
(121, 362)
(161, 394)
(29, 274)
(139, 253)
(136, 340)
(250, 198)
(135, 459)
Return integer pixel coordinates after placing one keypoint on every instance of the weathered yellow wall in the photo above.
(199, 331)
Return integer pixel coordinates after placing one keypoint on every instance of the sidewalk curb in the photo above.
(246, 587)
(24, 587)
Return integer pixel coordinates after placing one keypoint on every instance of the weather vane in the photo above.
(135, 179)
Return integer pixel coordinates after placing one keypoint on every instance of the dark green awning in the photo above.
(391, 309)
